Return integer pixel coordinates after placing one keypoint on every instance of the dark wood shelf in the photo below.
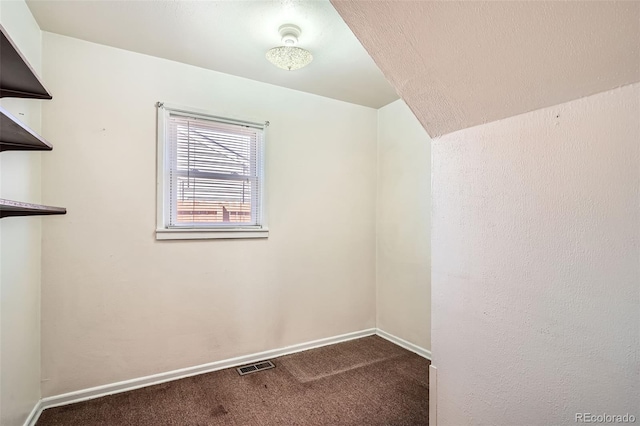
(16, 136)
(17, 208)
(17, 78)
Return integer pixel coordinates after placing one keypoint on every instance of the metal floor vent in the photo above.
(254, 368)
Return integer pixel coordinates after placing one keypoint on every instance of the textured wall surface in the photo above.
(116, 303)
(462, 63)
(20, 242)
(403, 231)
(536, 265)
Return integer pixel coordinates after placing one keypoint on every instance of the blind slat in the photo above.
(215, 173)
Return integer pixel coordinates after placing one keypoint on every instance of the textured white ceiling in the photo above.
(230, 37)
(462, 63)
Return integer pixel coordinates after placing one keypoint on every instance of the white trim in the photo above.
(216, 115)
(127, 385)
(154, 379)
(161, 176)
(425, 353)
(433, 395)
(201, 234)
(34, 415)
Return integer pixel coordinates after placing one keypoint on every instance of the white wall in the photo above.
(116, 303)
(403, 259)
(536, 272)
(20, 242)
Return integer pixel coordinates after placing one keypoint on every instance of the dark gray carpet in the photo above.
(367, 381)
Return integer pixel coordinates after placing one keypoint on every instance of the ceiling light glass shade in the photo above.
(289, 57)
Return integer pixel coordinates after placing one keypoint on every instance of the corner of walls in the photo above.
(403, 200)
(377, 215)
(20, 242)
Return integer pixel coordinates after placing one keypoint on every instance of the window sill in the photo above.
(210, 234)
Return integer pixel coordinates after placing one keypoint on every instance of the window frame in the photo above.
(163, 232)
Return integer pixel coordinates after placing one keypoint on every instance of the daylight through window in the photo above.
(213, 172)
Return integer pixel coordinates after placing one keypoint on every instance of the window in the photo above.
(210, 176)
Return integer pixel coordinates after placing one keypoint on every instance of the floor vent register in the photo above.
(254, 368)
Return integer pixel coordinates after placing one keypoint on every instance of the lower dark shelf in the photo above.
(17, 208)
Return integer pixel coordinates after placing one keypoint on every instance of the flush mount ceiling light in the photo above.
(289, 57)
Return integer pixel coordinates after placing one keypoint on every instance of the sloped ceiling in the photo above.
(230, 37)
(460, 64)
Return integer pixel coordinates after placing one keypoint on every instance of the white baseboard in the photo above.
(127, 385)
(33, 416)
(140, 382)
(403, 343)
(433, 396)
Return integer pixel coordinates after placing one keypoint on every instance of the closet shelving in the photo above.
(17, 208)
(17, 137)
(18, 80)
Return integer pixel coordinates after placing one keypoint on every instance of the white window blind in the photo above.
(213, 173)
